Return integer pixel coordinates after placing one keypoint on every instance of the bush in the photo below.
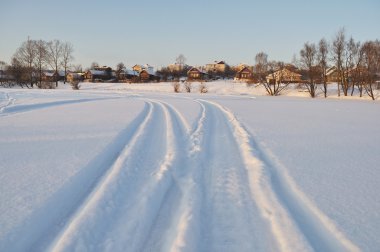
(75, 85)
(203, 88)
(176, 87)
(188, 87)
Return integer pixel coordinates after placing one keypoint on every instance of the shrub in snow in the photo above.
(75, 85)
(203, 88)
(187, 86)
(176, 87)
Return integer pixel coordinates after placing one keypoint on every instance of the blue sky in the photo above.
(156, 32)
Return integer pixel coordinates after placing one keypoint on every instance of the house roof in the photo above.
(149, 71)
(196, 69)
(48, 73)
(97, 72)
(245, 68)
(331, 70)
(131, 72)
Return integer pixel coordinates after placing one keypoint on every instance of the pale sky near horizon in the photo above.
(156, 32)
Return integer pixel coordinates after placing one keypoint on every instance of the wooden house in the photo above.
(196, 74)
(216, 67)
(332, 74)
(245, 74)
(139, 68)
(127, 75)
(49, 76)
(284, 76)
(97, 75)
(148, 76)
(71, 77)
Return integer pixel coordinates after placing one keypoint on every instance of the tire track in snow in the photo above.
(46, 222)
(164, 229)
(224, 214)
(128, 203)
(69, 231)
(282, 204)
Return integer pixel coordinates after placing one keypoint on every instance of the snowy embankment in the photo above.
(118, 167)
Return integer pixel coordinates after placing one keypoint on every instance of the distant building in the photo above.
(196, 74)
(52, 76)
(96, 75)
(71, 77)
(332, 74)
(176, 67)
(240, 67)
(127, 75)
(145, 72)
(99, 74)
(216, 67)
(139, 68)
(244, 74)
(284, 76)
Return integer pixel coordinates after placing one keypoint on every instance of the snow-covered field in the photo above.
(117, 167)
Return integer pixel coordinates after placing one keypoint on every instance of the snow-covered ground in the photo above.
(117, 167)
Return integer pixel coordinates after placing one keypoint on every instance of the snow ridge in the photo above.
(10, 110)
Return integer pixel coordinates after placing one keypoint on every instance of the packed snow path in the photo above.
(165, 186)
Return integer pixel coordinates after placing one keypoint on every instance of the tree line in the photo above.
(35, 56)
(356, 65)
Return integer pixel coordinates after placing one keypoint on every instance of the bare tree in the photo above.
(67, 57)
(270, 74)
(94, 65)
(371, 63)
(261, 67)
(322, 63)
(25, 57)
(55, 50)
(41, 59)
(355, 73)
(337, 50)
(119, 68)
(180, 60)
(348, 64)
(2, 65)
(19, 72)
(78, 68)
(309, 63)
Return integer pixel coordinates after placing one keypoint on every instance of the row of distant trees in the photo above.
(35, 56)
(357, 65)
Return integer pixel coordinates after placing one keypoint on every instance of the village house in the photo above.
(244, 74)
(332, 74)
(196, 74)
(139, 68)
(145, 72)
(284, 76)
(177, 67)
(96, 75)
(52, 76)
(148, 76)
(127, 75)
(72, 77)
(241, 66)
(100, 74)
(216, 67)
